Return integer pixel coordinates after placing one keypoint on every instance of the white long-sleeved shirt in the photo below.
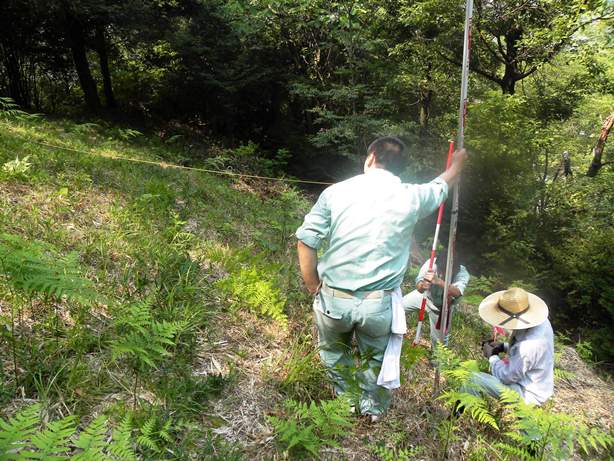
(530, 363)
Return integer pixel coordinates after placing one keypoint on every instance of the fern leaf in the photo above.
(17, 431)
(121, 447)
(53, 444)
(516, 451)
(92, 441)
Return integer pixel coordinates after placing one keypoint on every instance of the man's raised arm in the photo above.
(451, 174)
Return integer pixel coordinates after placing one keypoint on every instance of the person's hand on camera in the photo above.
(490, 348)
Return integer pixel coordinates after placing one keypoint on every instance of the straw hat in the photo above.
(513, 309)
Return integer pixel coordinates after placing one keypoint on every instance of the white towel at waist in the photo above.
(390, 374)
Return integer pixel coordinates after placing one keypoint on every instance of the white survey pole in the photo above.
(460, 143)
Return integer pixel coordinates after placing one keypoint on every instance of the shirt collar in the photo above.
(382, 173)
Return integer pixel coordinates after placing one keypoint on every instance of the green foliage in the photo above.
(251, 282)
(458, 374)
(91, 441)
(250, 159)
(396, 454)
(249, 288)
(483, 285)
(128, 133)
(530, 432)
(551, 435)
(17, 168)
(475, 406)
(52, 442)
(9, 110)
(585, 350)
(88, 128)
(141, 339)
(154, 434)
(17, 431)
(300, 372)
(410, 355)
(121, 447)
(35, 268)
(308, 427)
(26, 436)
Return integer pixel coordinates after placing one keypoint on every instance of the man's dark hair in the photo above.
(390, 153)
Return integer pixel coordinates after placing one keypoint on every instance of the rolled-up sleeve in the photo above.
(423, 270)
(316, 226)
(462, 279)
(430, 196)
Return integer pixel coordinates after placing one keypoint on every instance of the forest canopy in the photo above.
(305, 85)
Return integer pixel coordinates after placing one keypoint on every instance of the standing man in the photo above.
(368, 221)
(433, 283)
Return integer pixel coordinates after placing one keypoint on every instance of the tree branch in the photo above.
(489, 76)
(492, 51)
(528, 72)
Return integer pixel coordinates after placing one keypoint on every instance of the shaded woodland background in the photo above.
(301, 87)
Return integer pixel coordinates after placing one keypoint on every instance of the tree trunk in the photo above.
(103, 57)
(511, 74)
(76, 39)
(17, 92)
(508, 82)
(596, 164)
(425, 108)
(567, 164)
(426, 96)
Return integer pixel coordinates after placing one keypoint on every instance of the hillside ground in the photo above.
(217, 255)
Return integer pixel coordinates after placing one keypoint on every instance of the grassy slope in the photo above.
(141, 232)
(190, 243)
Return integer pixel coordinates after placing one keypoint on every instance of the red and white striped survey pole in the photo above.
(433, 251)
(444, 319)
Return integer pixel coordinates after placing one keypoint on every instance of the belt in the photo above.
(336, 293)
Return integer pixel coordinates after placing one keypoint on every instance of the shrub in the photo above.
(250, 281)
(308, 427)
(142, 340)
(527, 432)
(299, 371)
(17, 168)
(28, 435)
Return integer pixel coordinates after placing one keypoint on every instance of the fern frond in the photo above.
(309, 426)
(510, 397)
(17, 430)
(141, 338)
(515, 451)
(121, 447)
(36, 268)
(474, 405)
(53, 444)
(564, 375)
(92, 441)
(255, 288)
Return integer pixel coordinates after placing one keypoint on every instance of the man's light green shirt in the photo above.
(368, 221)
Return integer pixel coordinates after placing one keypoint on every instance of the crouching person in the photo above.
(528, 368)
(432, 282)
